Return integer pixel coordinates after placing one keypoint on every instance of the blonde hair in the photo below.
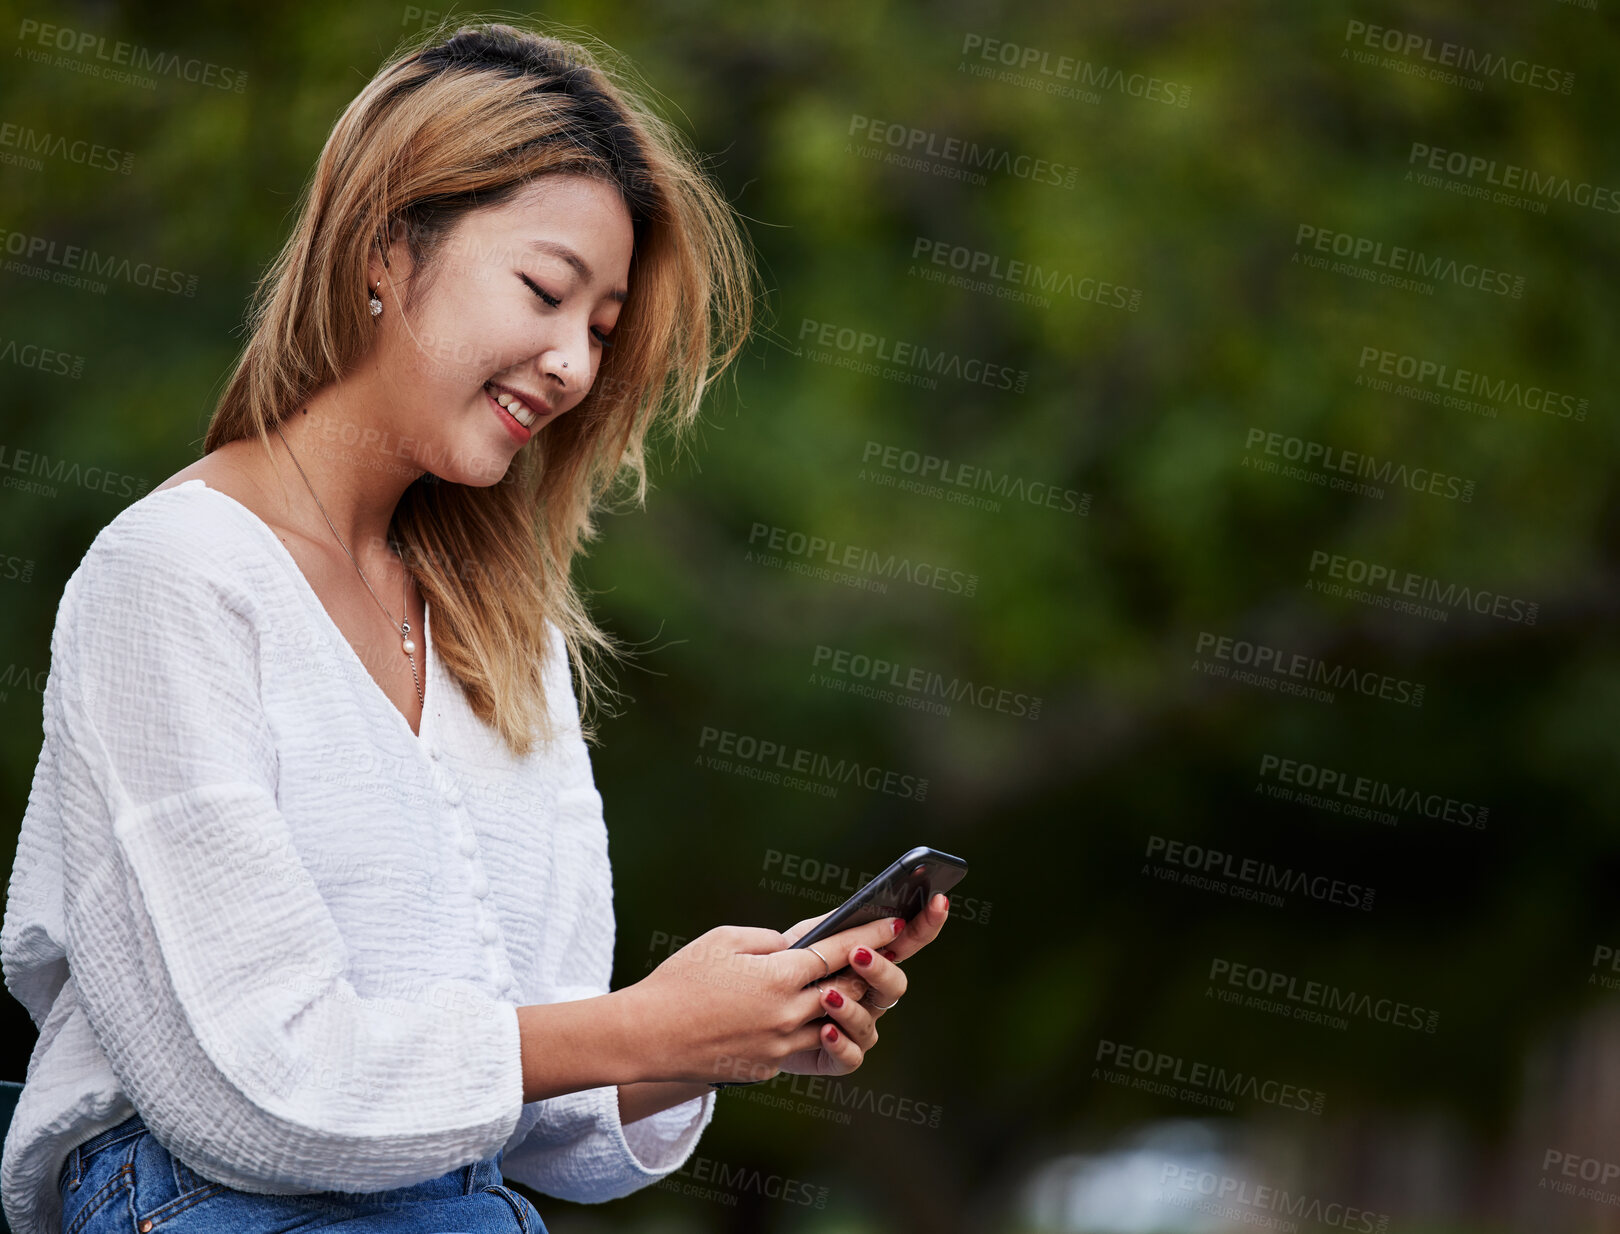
(446, 126)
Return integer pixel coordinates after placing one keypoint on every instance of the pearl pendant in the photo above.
(410, 647)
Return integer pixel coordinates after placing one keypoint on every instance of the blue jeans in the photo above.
(124, 1182)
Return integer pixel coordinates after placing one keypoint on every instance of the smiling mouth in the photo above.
(514, 407)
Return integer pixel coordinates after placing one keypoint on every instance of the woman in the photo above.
(312, 903)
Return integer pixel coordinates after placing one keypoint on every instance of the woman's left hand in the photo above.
(857, 996)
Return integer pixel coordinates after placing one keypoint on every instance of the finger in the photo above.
(848, 983)
(839, 1055)
(758, 940)
(921, 930)
(883, 976)
(855, 1020)
(873, 934)
(799, 929)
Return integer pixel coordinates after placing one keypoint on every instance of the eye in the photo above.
(553, 302)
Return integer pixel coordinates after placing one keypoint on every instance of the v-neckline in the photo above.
(420, 738)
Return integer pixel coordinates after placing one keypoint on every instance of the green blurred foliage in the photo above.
(1146, 411)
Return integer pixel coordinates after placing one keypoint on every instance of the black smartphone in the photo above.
(903, 890)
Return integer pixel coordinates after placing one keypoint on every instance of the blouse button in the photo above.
(489, 931)
(480, 887)
(468, 846)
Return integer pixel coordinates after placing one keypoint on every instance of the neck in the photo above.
(355, 465)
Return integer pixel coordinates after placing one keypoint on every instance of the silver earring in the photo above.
(376, 305)
(565, 363)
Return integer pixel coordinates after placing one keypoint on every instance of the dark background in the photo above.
(1181, 322)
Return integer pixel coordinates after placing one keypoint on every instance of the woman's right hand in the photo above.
(735, 1003)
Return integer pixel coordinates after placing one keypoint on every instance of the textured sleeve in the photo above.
(210, 968)
(578, 1149)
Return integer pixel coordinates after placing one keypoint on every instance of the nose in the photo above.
(568, 364)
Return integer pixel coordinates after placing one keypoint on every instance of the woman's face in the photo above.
(518, 301)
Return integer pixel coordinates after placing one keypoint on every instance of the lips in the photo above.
(526, 412)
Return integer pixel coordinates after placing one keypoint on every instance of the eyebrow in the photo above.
(575, 260)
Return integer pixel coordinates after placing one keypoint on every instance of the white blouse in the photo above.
(251, 903)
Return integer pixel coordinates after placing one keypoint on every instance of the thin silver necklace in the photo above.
(408, 644)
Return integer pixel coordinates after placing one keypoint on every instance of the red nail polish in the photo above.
(886, 953)
(862, 956)
(898, 925)
(832, 1033)
(834, 998)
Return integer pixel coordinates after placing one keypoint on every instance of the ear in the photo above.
(386, 271)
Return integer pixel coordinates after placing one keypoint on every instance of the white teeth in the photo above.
(519, 411)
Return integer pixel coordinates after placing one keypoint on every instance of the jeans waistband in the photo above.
(133, 1125)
